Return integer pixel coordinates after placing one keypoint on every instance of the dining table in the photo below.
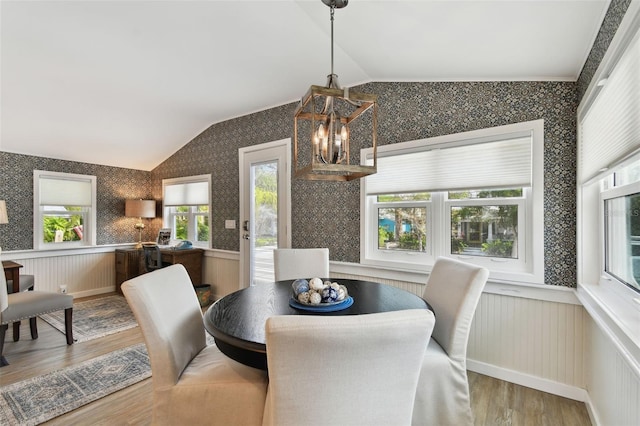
(237, 320)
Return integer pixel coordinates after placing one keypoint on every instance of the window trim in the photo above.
(89, 228)
(533, 269)
(167, 216)
(396, 258)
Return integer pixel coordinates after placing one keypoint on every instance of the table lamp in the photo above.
(140, 209)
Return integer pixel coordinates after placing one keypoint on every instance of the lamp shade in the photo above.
(140, 208)
(3, 212)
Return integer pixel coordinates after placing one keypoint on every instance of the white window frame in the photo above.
(169, 212)
(528, 268)
(506, 264)
(390, 258)
(89, 215)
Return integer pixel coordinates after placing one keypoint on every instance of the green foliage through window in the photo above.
(67, 225)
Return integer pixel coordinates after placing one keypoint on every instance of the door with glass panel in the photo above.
(265, 219)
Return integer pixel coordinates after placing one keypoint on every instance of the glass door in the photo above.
(264, 208)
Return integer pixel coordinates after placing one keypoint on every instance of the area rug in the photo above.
(95, 318)
(42, 398)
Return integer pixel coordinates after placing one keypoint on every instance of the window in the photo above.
(186, 208)
(621, 208)
(64, 209)
(476, 196)
(609, 171)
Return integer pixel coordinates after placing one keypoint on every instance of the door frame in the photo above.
(284, 202)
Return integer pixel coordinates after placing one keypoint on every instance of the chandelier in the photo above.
(330, 123)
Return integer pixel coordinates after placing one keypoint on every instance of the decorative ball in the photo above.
(316, 284)
(329, 295)
(342, 293)
(300, 286)
(304, 297)
(315, 298)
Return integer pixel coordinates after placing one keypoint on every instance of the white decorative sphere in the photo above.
(315, 298)
(304, 297)
(342, 294)
(316, 284)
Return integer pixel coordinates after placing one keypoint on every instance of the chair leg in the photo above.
(3, 330)
(34, 327)
(68, 317)
(16, 331)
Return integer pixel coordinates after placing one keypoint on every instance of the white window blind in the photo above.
(186, 194)
(57, 191)
(610, 130)
(499, 164)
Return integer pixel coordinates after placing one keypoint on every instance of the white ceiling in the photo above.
(128, 83)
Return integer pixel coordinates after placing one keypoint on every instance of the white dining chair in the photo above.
(453, 291)
(344, 370)
(193, 384)
(290, 264)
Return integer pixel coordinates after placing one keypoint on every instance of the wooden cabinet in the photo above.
(130, 263)
(191, 259)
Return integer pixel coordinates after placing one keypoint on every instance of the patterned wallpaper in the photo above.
(328, 213)
(610, 24)
(114, 185)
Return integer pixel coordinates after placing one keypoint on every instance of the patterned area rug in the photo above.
(95, 318)
(42, 398)
(36, 400)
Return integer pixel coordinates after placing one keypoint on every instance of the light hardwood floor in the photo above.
(494, 402)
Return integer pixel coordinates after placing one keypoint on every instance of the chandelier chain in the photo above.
(332, 7)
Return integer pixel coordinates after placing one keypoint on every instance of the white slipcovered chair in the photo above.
(344, 370)
(453, 291)
(193, 383)
(28, 305)
(290, 264)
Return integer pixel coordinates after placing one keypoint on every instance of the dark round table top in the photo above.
(237, 320)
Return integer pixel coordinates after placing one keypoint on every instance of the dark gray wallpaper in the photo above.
(610, 24)
(328, 213)
(114, 185)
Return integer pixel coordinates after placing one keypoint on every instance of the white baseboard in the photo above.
(523, 379)
(591, 410)
(93, 292)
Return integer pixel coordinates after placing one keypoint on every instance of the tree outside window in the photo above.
(487, 229)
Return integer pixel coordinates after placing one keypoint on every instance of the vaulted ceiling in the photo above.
(128, 83)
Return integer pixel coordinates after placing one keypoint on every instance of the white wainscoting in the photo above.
(221, 269)
(613, 384)
(535, 343)
(85, 272)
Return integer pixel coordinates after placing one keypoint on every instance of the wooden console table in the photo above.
(12, 272)
(130, 263)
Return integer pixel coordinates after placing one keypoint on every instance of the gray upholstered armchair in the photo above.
(28, 305)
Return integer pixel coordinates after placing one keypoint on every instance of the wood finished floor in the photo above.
(494, 402)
